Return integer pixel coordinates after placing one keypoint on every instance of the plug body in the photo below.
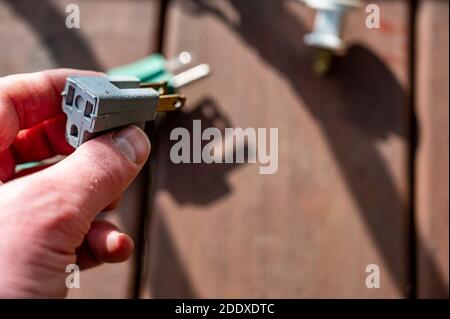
(95, 104)
(156, 68)
(149, 69)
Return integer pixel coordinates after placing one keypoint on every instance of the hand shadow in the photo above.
(198, 184)
(194, 183)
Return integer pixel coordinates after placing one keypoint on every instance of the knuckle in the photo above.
(66, 216)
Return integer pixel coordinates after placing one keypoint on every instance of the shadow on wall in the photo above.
(190, 184)
(357, 106)
(200, 183)
(167, 275)
(355, 111)
(67, 48)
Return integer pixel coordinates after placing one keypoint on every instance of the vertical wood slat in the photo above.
(339, 199)
(432, 184)
(33, 37)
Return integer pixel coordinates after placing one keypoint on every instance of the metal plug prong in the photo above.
(196, 73)
(184, 58)
(170, 102)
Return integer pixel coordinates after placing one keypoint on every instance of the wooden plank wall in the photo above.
(341, 197)
(33, 37)
(432, 161)
(339, 200)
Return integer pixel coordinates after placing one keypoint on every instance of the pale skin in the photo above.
(47, 215)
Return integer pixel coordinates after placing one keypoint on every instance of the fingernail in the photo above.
(112, 241)
(133, 143)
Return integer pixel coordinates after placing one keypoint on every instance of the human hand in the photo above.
(47, 217)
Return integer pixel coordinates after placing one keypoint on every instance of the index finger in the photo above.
(29, 99)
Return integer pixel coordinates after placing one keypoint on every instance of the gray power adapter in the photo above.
(96, 104)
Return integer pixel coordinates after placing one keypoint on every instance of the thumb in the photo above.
(52, 210)
(98, 172)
